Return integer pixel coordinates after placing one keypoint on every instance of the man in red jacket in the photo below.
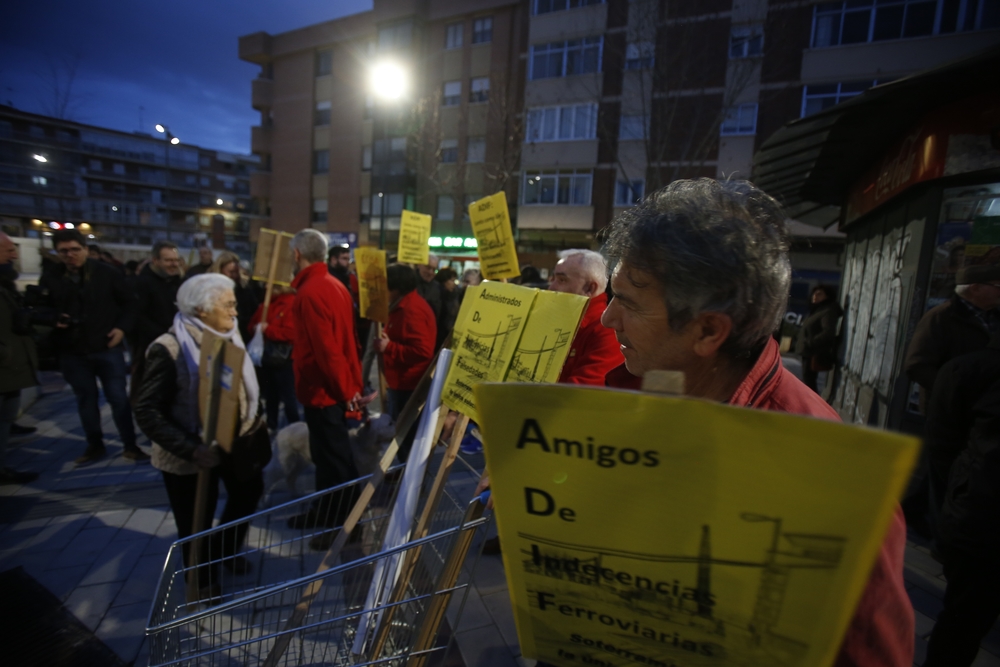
(700, 283)
(407, 343)
(594, 350)
(327, 374)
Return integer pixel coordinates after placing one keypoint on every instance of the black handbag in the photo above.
(275, 353)
(251, 452)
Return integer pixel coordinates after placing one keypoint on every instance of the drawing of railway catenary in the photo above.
(525, 369)
(491, 349)
(675, 621)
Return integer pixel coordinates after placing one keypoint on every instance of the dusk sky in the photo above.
(178, 60)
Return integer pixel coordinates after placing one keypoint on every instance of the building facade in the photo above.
(118, 187)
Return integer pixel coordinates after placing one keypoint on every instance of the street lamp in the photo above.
(40, 158)
(388, 82)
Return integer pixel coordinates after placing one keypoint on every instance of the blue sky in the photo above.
(178, 60)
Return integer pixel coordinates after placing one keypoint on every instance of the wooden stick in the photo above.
(271, 271)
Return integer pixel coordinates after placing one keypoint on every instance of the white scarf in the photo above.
(191, 350)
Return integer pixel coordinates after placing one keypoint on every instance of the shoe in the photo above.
(311, 519)
(491, 547)
(237, 565)
(136, 455)
(92, 455)
(11, 476)
(17, 429)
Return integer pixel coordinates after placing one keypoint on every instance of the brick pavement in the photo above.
(97, 538)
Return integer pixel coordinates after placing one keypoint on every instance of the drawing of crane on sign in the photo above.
(527, 364)
(489, 348)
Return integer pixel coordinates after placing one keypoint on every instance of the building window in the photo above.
(816, 98)
(482, 30)
(319, 210)
(479, 90)
(475, 149)
(633, 128)
(398, 36)
(448, 151)
(746, 41)
(446, 207)
(567, 188)
(96, 165)
(40, 180)
(546, 6)
(628, 193)
(453, 36)
(566, 123)
(321, 161)
(639, 55)
(324, 63)
(575, 56)
(366, 158)
(366, 206)
(118, 169)
(857, 21)
(322, 113)
(740, 119)
(452, 94)
(393, 204)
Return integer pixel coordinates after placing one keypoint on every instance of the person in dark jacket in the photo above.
(277, 378)
(963, 442)
(228, 264)
(156, 290)
(427, 287)
(18, 360)
(94, 310)
(204, 263)
(817, 345)
(451, 300)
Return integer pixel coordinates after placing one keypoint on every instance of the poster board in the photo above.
(545, 342)
(284, 270)
(643, 529)
(373, 285)
(491, 227)
(224, 374)
(414, 232)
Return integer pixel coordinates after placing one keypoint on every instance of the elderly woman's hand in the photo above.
(206, 457)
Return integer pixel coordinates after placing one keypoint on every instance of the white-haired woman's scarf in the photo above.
(192, 357)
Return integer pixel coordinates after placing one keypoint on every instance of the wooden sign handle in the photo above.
(271, 271)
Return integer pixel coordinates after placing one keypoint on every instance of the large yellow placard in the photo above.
(546, 339)
(491, 227)
(484, 339)
(373, 285)
(414, 232)
(641, 529)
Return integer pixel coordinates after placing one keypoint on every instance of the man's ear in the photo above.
(296, 255)
(590, 288)
(710, 330)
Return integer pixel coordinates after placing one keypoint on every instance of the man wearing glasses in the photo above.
(94, 308)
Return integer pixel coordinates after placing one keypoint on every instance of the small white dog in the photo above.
(291, 457)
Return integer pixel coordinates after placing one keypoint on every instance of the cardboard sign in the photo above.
(283, 269)
(491, 227)
(373, 285)
(414, 231)
(642, 529)
(485, 337)
(545, 342)
(221, 370)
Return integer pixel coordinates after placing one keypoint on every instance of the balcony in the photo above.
(261, 94)
(256, 48)
(260, 184)
(260, 140)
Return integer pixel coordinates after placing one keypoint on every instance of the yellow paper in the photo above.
(373, 286)
(414, 231)
(265, 252)
(491, 227)
(484, 340)
(544, 345)
(642, 529)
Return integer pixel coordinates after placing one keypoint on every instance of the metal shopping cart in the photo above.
(255, 616)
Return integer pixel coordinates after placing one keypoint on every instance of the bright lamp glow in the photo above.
(218, 202)
(388, 80)
(40, 158)
(175, 141)
(69, 225)
(160, 128)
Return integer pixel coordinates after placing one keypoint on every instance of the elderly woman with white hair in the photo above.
(167, 412)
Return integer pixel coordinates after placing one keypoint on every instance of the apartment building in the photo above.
(575, 108)
(119, 187)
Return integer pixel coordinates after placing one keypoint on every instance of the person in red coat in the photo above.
(594, 350)
(327, 375)
(700, 283)
(277, 377)
(407, 343)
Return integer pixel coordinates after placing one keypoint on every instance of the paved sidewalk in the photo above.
(97, 538)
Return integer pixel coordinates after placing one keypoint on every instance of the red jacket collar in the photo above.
(405, 300)
(309, 272)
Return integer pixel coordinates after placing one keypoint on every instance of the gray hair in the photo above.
(201, 292)
(592, 264)
(712, 246)
(311, 244)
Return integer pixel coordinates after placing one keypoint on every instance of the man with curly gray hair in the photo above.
(700, 280)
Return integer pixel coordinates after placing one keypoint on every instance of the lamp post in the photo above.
(388, 81)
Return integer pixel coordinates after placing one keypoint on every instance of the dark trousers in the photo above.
(10, 404)
(278, 386)
(330, 447)
(242, 498)
(397, 400)
(971, 606)
(82, 371)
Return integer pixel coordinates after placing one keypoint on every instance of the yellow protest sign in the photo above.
(273, 259)
(545, 342)
(643, 529)
(414, 231)
(491, 227)
(485, 337)
(373, 286)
